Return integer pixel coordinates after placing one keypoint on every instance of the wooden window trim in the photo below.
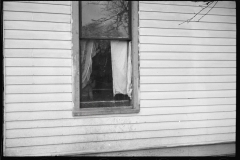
(135, 108)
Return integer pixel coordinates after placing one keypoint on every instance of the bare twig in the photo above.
(188, 20)
(208, 11)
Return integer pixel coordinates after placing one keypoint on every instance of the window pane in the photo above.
(105, 19)
(99, 59)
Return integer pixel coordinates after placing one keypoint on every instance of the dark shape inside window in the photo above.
(106, 65)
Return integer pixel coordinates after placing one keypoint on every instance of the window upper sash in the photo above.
(105, 20)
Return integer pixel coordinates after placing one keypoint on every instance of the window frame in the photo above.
(135, 108)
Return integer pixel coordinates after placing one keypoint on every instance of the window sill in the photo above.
(104, 111)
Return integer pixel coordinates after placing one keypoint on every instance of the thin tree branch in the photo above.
(188, 20)
(208, 11)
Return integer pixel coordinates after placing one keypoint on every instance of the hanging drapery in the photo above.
(88, 51)
(121, 67)
(129, 71)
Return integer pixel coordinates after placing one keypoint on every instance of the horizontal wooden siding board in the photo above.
(37, 44)
(184, 17)
(21, 89)
(36, 35)
(186, 79)
(188, 71)
(183, 40)
(37, 62)
(118, 145)
(187, 64)
(103, 129)
(51, 71)
(28, 16)
(48, 97)
(38, 53)
(36, 26)
(115, 136)
(188, 94)
(185, 9)
(22, 80)
(31, 7)
(187, 87)
(118, 120)
(187, 102)
(222, 4)
(187, 56)
(186, 48)
(67, 106)
(66, 114)
(186, 26)
(35, 107)
(186, 33)
(49, 2)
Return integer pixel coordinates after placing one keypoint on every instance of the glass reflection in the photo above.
(105, 19)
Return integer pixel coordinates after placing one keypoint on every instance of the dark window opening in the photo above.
(105, 54)
(97, 91)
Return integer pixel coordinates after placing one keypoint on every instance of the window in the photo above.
(105, 57)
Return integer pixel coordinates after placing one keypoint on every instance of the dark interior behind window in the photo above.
(101, 23)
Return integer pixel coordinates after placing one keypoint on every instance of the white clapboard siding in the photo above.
(189, 41)
(39, 132)
(186, 47)
(46, 53)
(38, 71)
(64, 114)
(187, 56)
(21, 80)
(37, 44)
(223, 4)
(188, 64)
(186, 79)
(28, 16)
(46, 97)
(47, 106)
(49, 2)
(32, 7)
(184, 17)
(187, 87)
(115, 136)
(119, 120)
(191, 25)
(60, 106)
(165, 32)
(33, 35)
(36, 26)
(187, 94)
(37, 62)
(188, 71)
(185, 9)
(119, 145)
(187, 102)
(21, 89)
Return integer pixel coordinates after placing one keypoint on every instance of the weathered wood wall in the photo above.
(187, 81)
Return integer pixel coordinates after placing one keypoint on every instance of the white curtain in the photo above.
(88, 50)
(121, 67)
